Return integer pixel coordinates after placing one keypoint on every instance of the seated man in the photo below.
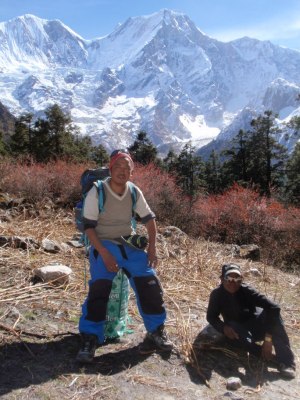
(248, 317)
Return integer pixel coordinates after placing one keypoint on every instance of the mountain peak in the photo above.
(158, 73)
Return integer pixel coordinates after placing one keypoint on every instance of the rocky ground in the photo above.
(38, 323)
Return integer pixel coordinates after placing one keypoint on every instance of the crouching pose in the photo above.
(249, 317)
(108, 254)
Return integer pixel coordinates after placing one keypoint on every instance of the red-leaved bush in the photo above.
(238, 216)
(58, 181)
(165, 198)
(242, 216)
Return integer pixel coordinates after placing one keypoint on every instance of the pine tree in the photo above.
(99, 155)
(266, 155)
(213, 175)
(293, 176)
(3, 149)
(143, 151)
(55, 137)
(170, 161)
(21, 142)
(59, 125)
(189, 170)
(235, 166)
(41, 145)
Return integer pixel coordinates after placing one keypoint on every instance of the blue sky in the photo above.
(274, 20)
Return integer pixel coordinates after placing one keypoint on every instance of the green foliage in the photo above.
(142, 150)
(51, 138)
(234, 168)
(293, 176)
(189, 170)
(266, 155)
(99, 155)
(3, 150)
(21, 142)
(256, 157)
(213, 174)
(170, 162)
(294, 123)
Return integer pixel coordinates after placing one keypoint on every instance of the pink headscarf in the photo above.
(118, 156)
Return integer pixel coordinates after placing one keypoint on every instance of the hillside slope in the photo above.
(38, 322)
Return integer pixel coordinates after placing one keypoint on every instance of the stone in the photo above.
(253, 272)
(233, 383)
(56, 273)
(19, 242)
(211, 333)
(75, 243)
(250, 251)
(50, 246)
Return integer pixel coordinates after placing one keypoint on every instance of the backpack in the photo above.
(96, 177)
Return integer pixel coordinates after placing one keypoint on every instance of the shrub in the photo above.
(163, 195)
(242, 216)
(58, 181)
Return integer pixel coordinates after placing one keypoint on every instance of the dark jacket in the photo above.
(239, 307)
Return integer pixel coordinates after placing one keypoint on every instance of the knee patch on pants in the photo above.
(150, 294)
(97, 300)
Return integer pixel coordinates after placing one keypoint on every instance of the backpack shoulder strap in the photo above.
(101, 194)
(102, 197)
(133, 193)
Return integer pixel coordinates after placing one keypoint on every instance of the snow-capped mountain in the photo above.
(158, 73)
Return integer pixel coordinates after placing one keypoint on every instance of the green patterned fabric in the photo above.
(117, 307)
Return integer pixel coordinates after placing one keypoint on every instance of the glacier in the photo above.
(158, 73)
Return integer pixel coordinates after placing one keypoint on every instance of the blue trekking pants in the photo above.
(142, 279)
(254, 330)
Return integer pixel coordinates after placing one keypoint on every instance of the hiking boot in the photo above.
(157, 340)
(88, 348)
(287, 372)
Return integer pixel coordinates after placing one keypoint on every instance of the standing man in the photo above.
(248, 317)
(108, 253)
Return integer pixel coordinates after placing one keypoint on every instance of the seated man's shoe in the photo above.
(287, 372)
(88, 348)
(157, 340)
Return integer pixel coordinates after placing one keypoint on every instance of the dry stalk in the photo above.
(186, 348)
(150, 381)
(18, 335)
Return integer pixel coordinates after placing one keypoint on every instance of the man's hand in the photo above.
(152, 257)
(151, 251)
(266, 350)
(109, 260)
(230, 332)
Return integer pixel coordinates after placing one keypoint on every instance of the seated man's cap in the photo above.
(230, 269)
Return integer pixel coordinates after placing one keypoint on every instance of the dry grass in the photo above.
(188, 269)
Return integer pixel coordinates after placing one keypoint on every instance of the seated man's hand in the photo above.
(230, 332)
(266, 350)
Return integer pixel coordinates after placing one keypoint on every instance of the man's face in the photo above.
(121, 171)
(232, 282)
